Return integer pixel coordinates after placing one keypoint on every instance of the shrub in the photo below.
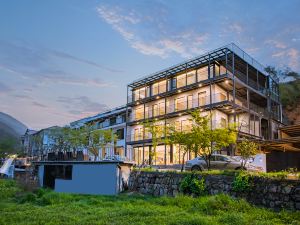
(241, 182)
(192, 185)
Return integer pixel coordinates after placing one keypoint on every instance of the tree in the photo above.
(8, 146)
(207, 140)
(246, 148)
(157, 132)
(100, 138)
(38, 143)
(184, 140)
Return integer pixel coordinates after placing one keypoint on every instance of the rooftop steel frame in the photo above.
(198, 61)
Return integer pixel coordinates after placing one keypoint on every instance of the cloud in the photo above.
(82, 105)
(22, 96)
(30, 62)
(39, 104)
(4, 89)
(155, 40)
(161, 29)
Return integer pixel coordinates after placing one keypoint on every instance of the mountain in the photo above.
(10, 127)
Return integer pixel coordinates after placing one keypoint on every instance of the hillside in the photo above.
(10, 126)
(10, 132)
(290, 99)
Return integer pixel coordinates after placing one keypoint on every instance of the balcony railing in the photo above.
(182, 105)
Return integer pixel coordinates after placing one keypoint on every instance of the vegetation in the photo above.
(246, 148)
(191, 185)
(8, 146)
(201, 139)
(47, 207)
(289, 86)
(157, 134)
(241, 182)
(67, 139)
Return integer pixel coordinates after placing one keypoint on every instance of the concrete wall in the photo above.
(90, 179)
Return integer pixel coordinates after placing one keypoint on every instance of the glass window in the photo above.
(190, 101)
(191, 77)
(154, 89)
(217, 70)
(202, 73)
(162, 86)
(161, 108)
(202, 98)
(180, 104)
(155, 110)
(139, 113)
(181, 80)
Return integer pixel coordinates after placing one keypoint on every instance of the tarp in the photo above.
(8, 167)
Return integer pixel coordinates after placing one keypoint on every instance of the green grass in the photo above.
(269, 175)
(47, 207)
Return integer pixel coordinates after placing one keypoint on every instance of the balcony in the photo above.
(182, 106)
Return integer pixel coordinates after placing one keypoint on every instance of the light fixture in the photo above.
(233, 110)
(179, 91)
(137, 103)
(200, 85)
(157, 97)
(226, 81)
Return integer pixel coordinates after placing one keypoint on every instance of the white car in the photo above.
(217, 161)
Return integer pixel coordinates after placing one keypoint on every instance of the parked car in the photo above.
(220, 162)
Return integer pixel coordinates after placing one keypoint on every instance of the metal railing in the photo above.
(183, 105)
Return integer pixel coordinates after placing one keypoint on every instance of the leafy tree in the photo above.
(157, 133)
(185, 140)
(8, 146)
(38, 143)
(201, 139)
(247, 148)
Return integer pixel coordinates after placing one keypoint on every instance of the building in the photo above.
(27, 142)
(114, 119)
(284, 151)
(84, 177)
(226, 83)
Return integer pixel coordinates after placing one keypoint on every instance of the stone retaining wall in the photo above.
(271, 193)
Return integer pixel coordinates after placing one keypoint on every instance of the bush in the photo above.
(241, 182)
(192, 185)
(8, 188)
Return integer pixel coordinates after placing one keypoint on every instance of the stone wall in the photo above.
(271, 193)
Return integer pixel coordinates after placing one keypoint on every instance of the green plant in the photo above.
(241, 182)
(246, 148)
(192, 185)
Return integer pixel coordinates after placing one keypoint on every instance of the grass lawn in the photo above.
(47, 207)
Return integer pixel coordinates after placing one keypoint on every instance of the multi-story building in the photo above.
(226, 83)
(114, 119)
(38, 143)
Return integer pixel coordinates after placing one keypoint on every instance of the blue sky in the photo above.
(63, 60)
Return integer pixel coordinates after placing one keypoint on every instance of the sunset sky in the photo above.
(63, 60)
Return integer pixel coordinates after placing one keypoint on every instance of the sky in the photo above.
(63, 60)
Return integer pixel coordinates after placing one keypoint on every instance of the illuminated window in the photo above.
(181, 80)
(180, 104)
(191, 77)
(161, 108)
(202, 73)
(202, 98)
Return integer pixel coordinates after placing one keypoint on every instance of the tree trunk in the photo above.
(182, 163)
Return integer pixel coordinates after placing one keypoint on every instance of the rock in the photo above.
(287, 189)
